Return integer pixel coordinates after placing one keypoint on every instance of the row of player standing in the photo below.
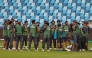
(60, 34)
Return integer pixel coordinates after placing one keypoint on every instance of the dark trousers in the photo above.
(30, 41)
(54, 41)
(77, 41)
(46, 40)
(19, 38)
(83, 42)
(59, 40)
(24, 40)
(38, 39)
(9, 42)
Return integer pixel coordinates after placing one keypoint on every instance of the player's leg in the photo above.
(48, 44)
(30, 41)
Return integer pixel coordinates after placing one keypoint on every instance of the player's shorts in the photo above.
(59, 40)
(64, 39)
(5, 38)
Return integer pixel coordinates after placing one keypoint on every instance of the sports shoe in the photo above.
(13, 48)
(48, 50)
(42, 49)
(91, 49)
(21, 50)
(4, 48)
(80, 50)
(83, 50)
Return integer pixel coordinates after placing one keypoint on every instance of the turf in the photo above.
(45, 54)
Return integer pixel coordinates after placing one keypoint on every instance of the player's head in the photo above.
(10, 22)
(5, 22)
(74, 22)
(19, 23)
(12, 19)
(33, 21)
(66, 23)
(53, 22)
(26, 22)
(16, 22)
(58, 21)
(45, 22)
(38, 23)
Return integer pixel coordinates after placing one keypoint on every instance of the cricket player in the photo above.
(32, 30)
(46, 36)
(76, 35)
(65, 36)
(84, 40)
(38, 33)
(10, 35)
(25, 33)
(60, 29)
(19, 36)
(53, 26)
(5, 34)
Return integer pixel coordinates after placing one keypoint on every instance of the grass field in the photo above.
(45, 54)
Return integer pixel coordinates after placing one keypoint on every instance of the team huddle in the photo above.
(17, 36)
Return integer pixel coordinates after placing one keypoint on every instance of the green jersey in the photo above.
(47, 32)
(25, 29)
(85, 31)
(76, 30)
(18, 29)
(60, 29)
(38, 29)
(33, 30)
(52, 29)
(66, 29)
(5, 30)
(9, 30)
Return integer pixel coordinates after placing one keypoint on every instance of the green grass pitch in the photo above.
(45, 54)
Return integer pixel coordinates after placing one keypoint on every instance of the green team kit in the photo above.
(34, 32)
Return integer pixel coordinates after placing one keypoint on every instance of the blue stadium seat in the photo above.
(72, 18)
(33, 17)
(52, 1)
(42, 5)
(90, 12)
(82, 15)
(61, 1)
(1, 15)
(13, 1)
(39, 1)
(37, 4)
(35, 1)
(47, 8)
(19, 17)
(65, 2)
(1, 4)
(73, 9)
(5, 17)
(56, 5)
(68, 16)
(74, 1)
(2, 7)
(86, 18)
(45, 17)
(33, 8)
(69, 5)
(83, 6)
(77, 12)
(51, 4)
(26, 1)
(87, 1)
(48, 1)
